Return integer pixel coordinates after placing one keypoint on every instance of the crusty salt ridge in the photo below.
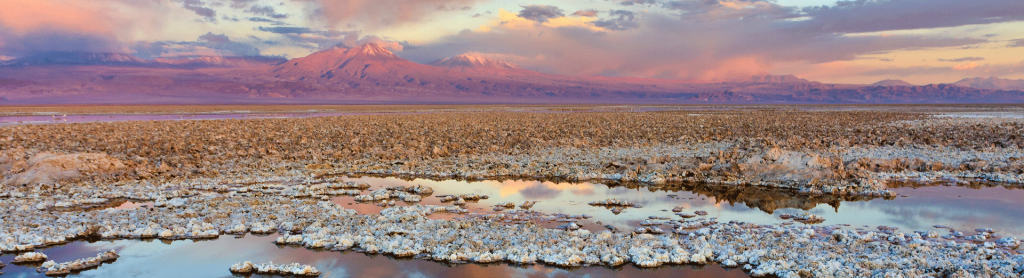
(51, 268)
(614, 203)
(464, 197)
(30, 257)
(809, 218)
(50, 168)
(296, 269)
(388, 194)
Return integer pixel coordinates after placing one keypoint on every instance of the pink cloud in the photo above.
(29, 26)
(21, 16)
(392, 45)
(376, 13)
(966, 66)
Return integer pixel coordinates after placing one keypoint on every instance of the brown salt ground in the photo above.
(741, 157)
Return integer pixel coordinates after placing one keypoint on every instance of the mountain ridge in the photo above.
(892, 82)
(128, 60)
(992, 83)
(370, 73)
(468, 60)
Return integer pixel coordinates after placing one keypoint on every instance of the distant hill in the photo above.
(227, 62)
(992, 83)
(778, 79)
(892, 82)
(128, 60)
(76, 58)
(473, 61)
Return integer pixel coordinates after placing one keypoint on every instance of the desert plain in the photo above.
(403, 182)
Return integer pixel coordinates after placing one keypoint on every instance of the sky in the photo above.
(856, 42)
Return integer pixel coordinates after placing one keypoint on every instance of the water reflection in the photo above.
(920, 208)
(961, 208)
(117, 203)
(764, 199)
(212, 259)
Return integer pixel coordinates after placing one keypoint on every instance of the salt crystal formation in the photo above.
(270, 268)
(648, 230)
(50, 168)
(464, 197)
(51, 268)
(387, 195)
(686, 215)
(1011, 242)
(809, 218)
(418, 189)
(527, 204)
(614, 203)
(571, 226)
(346, 185)
(30, 257)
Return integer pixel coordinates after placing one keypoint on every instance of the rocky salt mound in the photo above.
(30, 257)
(51, 268)
(50, 168)
(614, 203)
(275, 269)
(805, 218)
(788, 167)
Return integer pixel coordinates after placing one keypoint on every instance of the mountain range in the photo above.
(370, 73)
(126, 60)
(993, 83)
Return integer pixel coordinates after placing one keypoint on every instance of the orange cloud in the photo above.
(510, 187)
(966, 66)
(739, 68)
(22, 16)
(510, 20)
(376, 13)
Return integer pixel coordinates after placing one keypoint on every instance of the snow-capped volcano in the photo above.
(341, 58)
(473, 61)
